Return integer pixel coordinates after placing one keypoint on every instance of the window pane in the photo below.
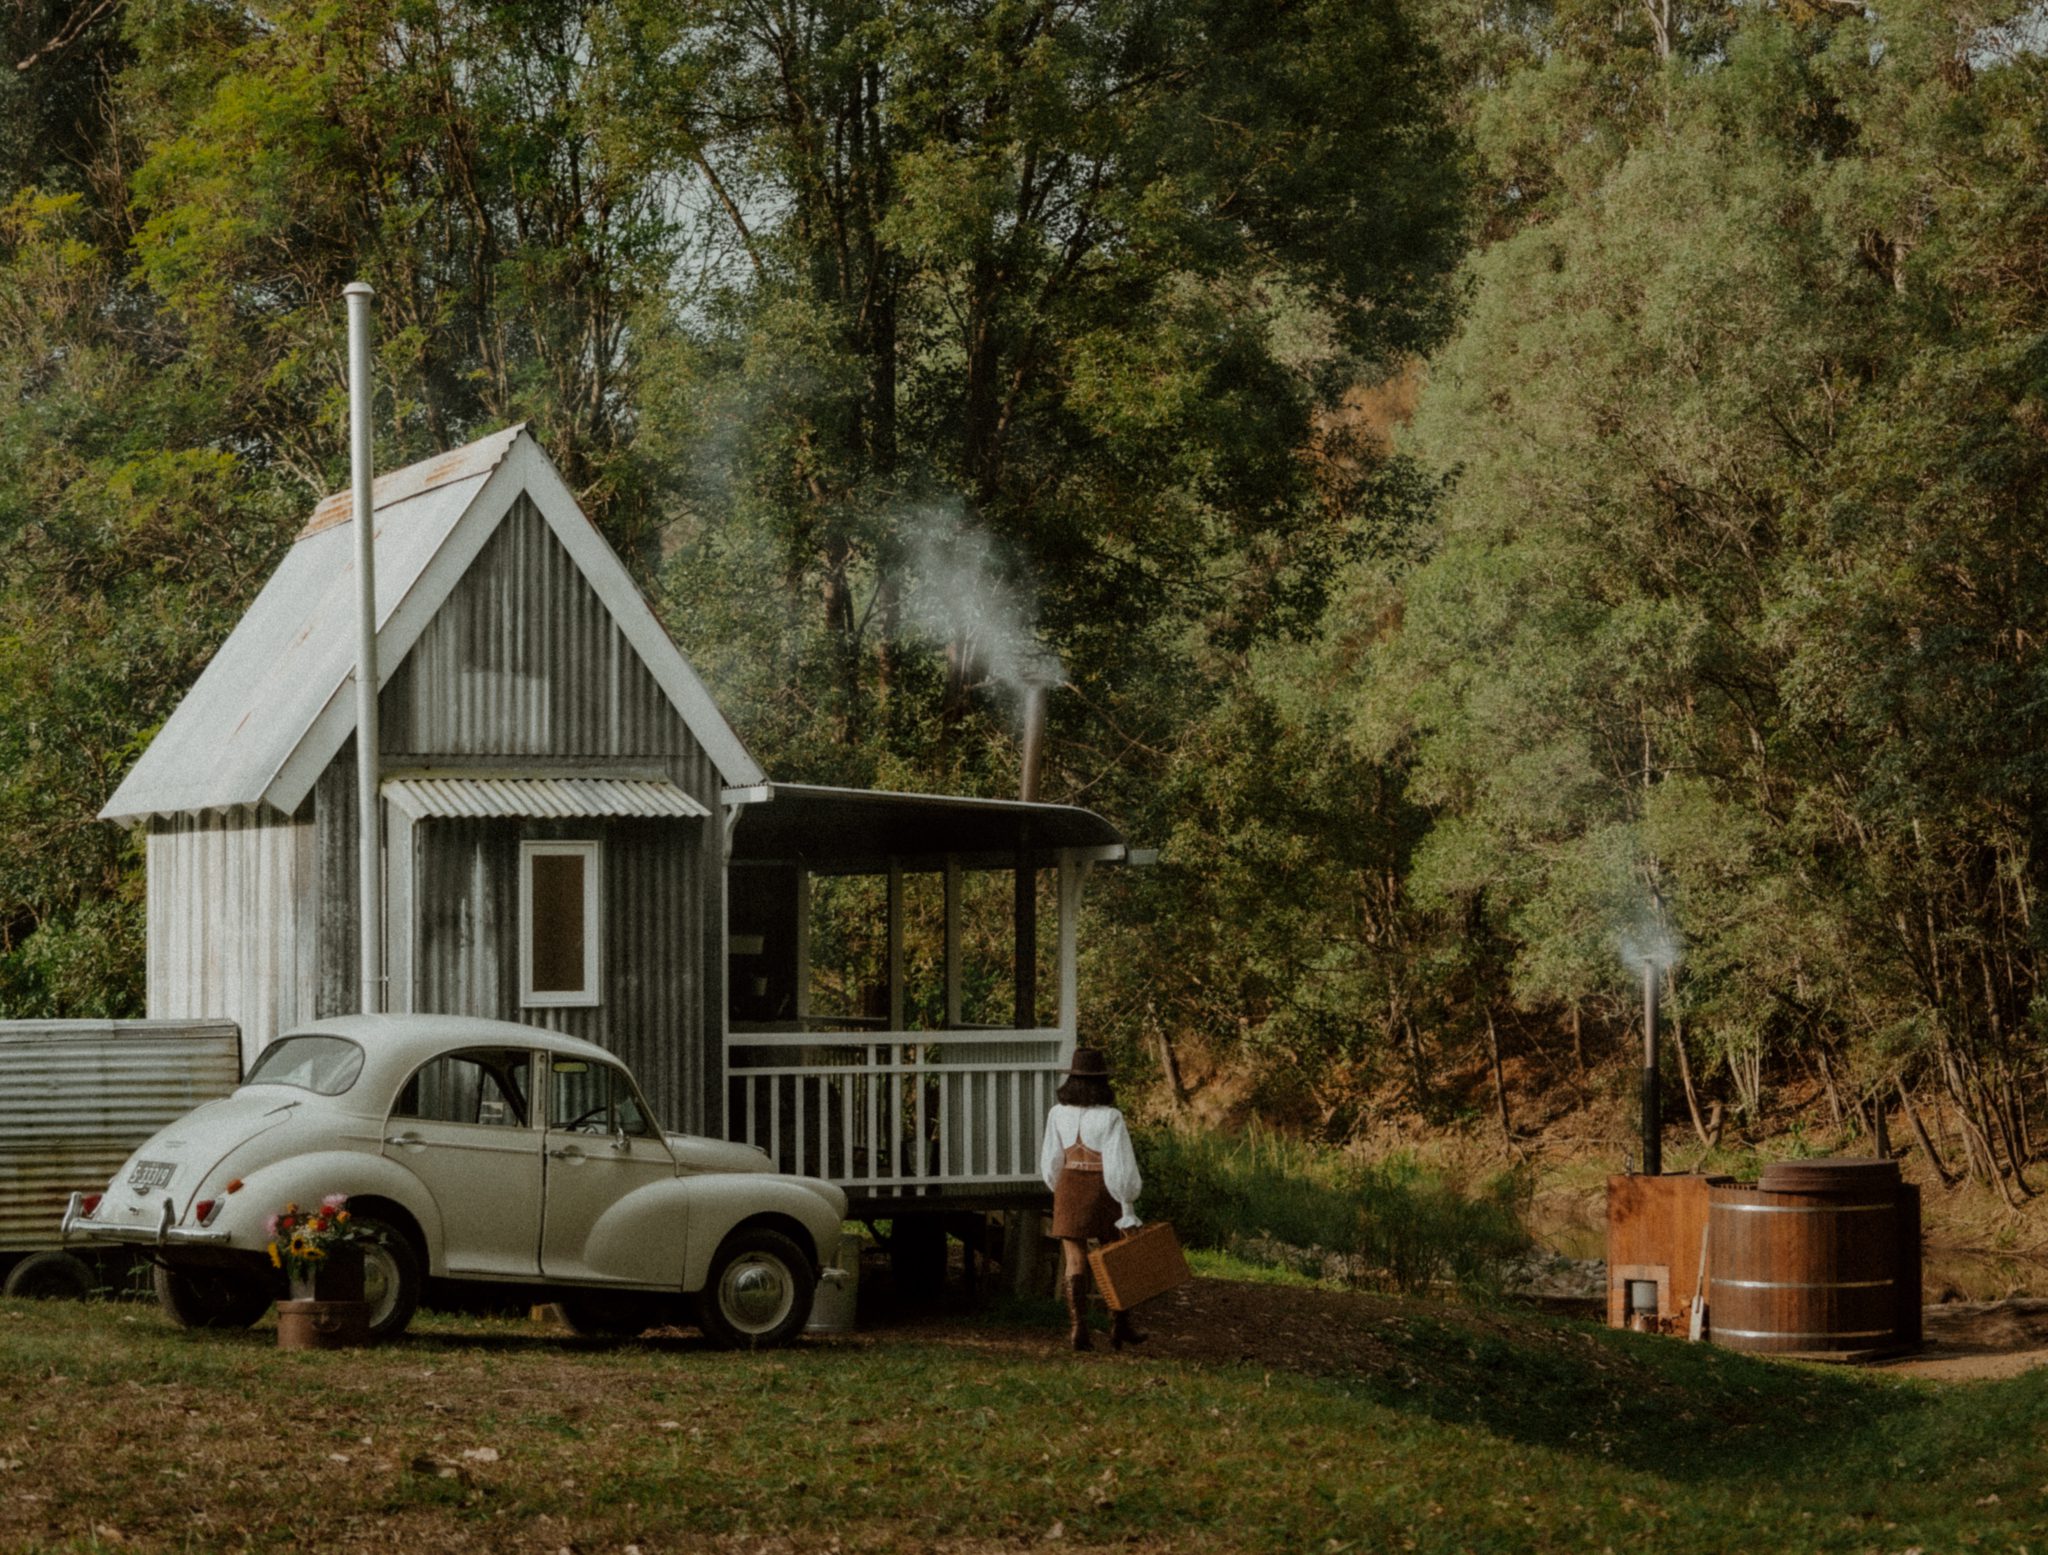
(327, 1066)
(583, 1097)
(557, 926)
(444, 1091)
(486, 1087)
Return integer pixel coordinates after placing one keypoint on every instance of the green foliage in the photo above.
(1396, 1226)
(1724, 641)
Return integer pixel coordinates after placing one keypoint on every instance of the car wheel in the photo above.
(600, 1314)
(49, 1277)
(204, 1296)
(758, 1293)
(392, 1279)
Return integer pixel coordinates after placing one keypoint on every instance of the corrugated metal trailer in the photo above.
(77, 1097)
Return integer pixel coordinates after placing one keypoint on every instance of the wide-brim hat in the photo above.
(1089, 1064)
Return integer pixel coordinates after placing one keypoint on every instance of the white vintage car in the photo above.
(480, 1151)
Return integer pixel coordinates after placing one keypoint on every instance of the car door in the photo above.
(465, 1126)
(603, 1146)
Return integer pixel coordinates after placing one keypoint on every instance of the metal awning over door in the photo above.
(527, 797)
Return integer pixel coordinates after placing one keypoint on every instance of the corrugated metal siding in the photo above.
(77, 1097)
(231, 896)
(654, 944)
(338, 974)
(524, 660)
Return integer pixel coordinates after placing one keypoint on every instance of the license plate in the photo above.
(152, 1174)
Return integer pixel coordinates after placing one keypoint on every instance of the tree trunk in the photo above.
(1948, 1178)
(1169, 1060)
(1500, 1084)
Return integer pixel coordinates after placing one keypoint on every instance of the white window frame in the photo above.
(592, 854)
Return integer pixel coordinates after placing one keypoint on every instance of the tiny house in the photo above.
(573, 835)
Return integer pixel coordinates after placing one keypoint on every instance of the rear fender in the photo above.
(305, 1180)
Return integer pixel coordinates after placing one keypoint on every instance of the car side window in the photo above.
(596, 1099)
(485, 1087)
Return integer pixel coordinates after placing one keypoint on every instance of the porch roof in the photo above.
(847, 830)
(567, 797)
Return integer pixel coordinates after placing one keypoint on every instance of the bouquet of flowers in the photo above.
(301, 1240)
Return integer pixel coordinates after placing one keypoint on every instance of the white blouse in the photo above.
(1102, 1130)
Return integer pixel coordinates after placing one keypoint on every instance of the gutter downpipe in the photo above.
(362, 457)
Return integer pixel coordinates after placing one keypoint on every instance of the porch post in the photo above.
(803, 948)
(952, 940)
(1071, 875)
(1025, 1014)
(895, 933)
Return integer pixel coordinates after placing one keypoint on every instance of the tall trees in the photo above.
(1731, 627)
(914, 348)
(1051, 292)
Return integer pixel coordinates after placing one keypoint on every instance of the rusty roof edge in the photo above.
(417, 479)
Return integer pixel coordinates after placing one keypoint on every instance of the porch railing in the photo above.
(895, 1111)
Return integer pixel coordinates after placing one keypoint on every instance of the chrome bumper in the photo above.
(831, 1274)
(162, 1234)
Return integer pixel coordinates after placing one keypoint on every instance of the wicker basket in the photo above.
(1145, 1263)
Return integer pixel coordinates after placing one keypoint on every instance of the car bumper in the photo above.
(78, 1227)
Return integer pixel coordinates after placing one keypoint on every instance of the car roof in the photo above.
(395, 1045)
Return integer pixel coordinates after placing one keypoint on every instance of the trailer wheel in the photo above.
(50, 1277)
(200, 1296)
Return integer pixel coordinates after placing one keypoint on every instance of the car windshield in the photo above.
(326, 1066)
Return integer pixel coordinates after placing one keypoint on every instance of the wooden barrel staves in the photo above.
(1809, 1261)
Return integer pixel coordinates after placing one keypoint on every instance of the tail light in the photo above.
(90, 1203)
(205, 1209)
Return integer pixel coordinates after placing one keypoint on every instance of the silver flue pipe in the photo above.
(361, 459)
(1034, 742)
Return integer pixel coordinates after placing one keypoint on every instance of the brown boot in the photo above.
(1077, 1312)
(1123, 1331)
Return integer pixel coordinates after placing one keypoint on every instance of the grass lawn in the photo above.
(1321, 1422)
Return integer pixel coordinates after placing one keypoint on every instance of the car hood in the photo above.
(178, 1158)
(695, 1153)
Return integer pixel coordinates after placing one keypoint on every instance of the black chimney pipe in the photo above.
(1653, 1117)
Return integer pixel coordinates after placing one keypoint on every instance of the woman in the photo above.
(1088, 1163)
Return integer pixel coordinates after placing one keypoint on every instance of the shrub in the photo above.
(1387, 1224)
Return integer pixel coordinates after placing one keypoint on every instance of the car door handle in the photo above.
(404, 1139)
(566, 1153)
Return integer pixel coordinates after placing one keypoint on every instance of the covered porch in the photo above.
(899, 1008)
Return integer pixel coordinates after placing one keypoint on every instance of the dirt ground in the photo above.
(1288, 1328)
(1972, 1341)
(1297, 1329)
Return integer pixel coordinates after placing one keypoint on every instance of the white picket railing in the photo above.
(892, 1111)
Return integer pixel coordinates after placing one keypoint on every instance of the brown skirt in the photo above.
(1082, 1208)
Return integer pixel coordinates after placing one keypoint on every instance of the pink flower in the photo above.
(270, 1226)
(334, 1201)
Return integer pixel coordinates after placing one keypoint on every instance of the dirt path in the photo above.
(1978, 1341)
(1330, 1331)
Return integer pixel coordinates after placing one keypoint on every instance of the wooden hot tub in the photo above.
(1819, 1258)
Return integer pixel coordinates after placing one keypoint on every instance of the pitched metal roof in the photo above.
(274, 705)
(567, 797)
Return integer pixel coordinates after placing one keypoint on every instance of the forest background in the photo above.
(1504, 491)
